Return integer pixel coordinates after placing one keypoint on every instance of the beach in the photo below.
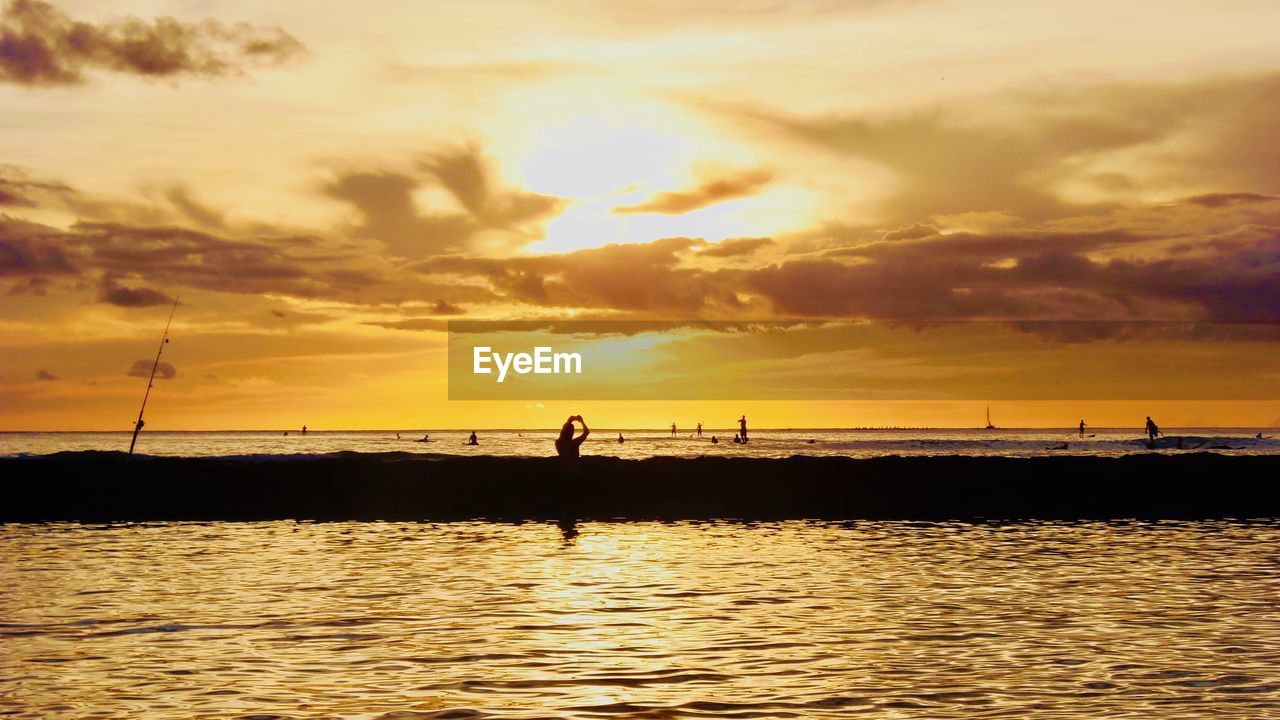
(113, 487)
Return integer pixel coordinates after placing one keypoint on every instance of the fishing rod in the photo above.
(164, 340)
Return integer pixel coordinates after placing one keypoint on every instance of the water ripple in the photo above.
(640, 620)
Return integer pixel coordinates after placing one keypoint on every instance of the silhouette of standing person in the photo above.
(567, 445)
(742, 423)
(699, 429)
(673, 429)
(1082, 428)
(1152, 429)
(304, 429)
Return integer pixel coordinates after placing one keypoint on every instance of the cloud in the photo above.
(735, 247)
(43, 374)
(465, 174)
(1189, 261)
(126, 262)
(113, 293)
(18, 191)
(443, 307)
(142, 368)
(386, 206)
(194, 210)
(388, 210)
(1053, 152)
(911, 232)
(1216, 200)
(634, 276)
(708, 193)
(41, 46)
(24, 251)
(415, 324)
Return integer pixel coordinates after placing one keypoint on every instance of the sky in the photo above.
(324, 185)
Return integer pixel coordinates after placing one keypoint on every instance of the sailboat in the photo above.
(989, 425)
(164, 340)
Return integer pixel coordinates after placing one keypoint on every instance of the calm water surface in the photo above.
(641, 443)
(639, 620)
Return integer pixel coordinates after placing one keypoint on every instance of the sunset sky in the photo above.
(325, 184)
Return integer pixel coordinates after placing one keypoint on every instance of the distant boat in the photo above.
(989, 425)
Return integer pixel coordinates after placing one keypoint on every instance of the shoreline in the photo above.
(96, 487)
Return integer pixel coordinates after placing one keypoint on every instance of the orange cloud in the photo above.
(40, 46)
(708, 193)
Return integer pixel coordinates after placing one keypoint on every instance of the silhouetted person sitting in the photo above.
(567, 445)
(742, 423)
(621, 439)
(715, 440)
(736, 439)
(470, 441)
(1152, 429)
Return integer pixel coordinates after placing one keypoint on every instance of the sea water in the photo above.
(640, 620)
(642, 443)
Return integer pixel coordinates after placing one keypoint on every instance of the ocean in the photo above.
(802, 619)
(644, 443)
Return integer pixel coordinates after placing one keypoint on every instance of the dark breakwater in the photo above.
(108, 487)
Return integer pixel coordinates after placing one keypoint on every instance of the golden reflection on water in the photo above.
(629, 620)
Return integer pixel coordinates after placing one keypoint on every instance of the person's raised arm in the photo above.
(585, 430)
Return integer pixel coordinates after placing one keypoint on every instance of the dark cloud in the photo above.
(1216, 200)
(645, 277)
(464, 173)
(303, 266)
(443, 307)
(708, 193)
(41, 46)
(142, 368)
(389, 213)
(386, 206)
(413, 324)
(1016, 153)
(946, 165)
(911, 232)
(293, 317)
(735, 247)
(38, 286)
(26, 252)
(45, 375)
(180, 197)
(1121, 273)
(16, 192)
(113, 293)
